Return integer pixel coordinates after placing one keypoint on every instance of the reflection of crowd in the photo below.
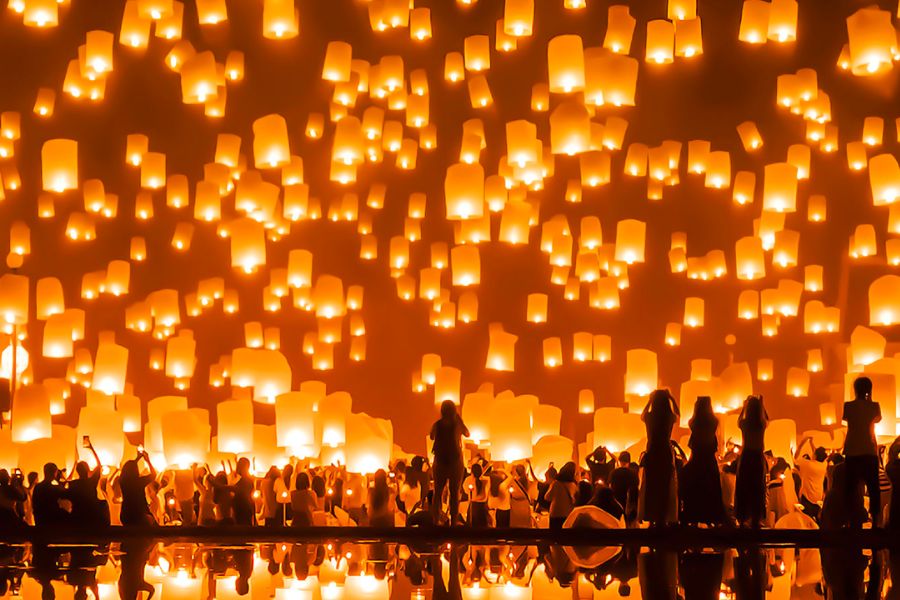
(143, 569)
(712, 483)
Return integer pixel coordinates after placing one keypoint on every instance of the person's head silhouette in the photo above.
(50, 471)
(862, 387)
(448, 409)
(625, 458)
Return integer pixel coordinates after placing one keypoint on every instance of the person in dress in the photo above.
(658, 496)
(700, 484)
(861, 448)
(750, 483)
(135, 509)
(447, 433)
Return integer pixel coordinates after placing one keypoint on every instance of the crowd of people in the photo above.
(710, 484)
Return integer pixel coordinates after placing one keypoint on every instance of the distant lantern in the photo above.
(780, 187)
(477, 52)
(59, 165)
(640, 372)
(688, 38)
(872, 41)
(501, 350)
(464, 191)
(783, 21)
(518, 17)
(660, 41)
(280, 19)
(884, 301)
(630, 235)
(235, 426)
(619, 29)
(271, 148)
(884, 179)
(565, 57)
(754, 21)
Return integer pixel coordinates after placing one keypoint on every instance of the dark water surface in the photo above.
(143, 569)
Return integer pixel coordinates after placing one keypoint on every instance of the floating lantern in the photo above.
(59, 165)
(565, 57)
(280, 19)
(619, 29)
(630, 235)
(884, 179)
(660, 41)
(872, 41)
(783, 21)
(780, 187)
(185, 438)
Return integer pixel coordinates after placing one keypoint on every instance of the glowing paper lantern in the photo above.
(565, 58)
(780, 187)
(872, 41)
(570, 129)
(660, 41)
(518, 17)
(630, 235)
(549, 450)
(59, 165)
(446, 385)
(185, 438)
(297, 424)
(640, 372)
(510, 428)
(334, 411)
(464, 191)
(271, 148)
(369, 443)
(884, 179)
(110, 369)
(783, 21)
(104, 426)
(235, 426)
(30, 414)
(884, 300)
(501, 355)
(619, 29)
(280, 19)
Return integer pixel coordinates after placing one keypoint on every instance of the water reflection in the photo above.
(142, 570)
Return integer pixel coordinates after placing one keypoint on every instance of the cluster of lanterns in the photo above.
(253, 191)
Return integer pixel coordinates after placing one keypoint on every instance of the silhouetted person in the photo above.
(700, 485)
(892, 468)
(242, 504)
(657, 574)
(379, 504)
(658, 501)
(447, 433)
(813, 470)
(46, 497)
(750, 484)
(561, 495)
(133, 561)
(12, 493)
(135, 510)
(701, 574)
(750, 574)
(83, 494)
(861, 448)
(477, 490)
(303, 501)
(601, 463)
(625, 482)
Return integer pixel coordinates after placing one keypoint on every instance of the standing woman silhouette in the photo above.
(750, 486)
(447, 433)
(700, 486)
(658, 496)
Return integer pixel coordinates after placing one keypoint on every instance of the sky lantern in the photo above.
(30, 414)
(884, 300)
(619, 29)
(59, 165)
(199, 78)
(369, 443)
(510, 428)
(693, 312)
(271, 148)
(783, 21)
(185, 438)
(98, 54)
(420, 23)
(866, 346)
(660, 41)
(884, 179)
(501, 354)
(780, 187)
(551, 450)
(297, 424)
(181, 355)
(248, 244)
(872, 41)
(873, 131)
(518, 17)
(338, 56)
(464, 191)
(781, 437)
(465, 265)
(640, 372)
(104, 426)
(565, 59)
(280, 19)
(754, 21)
(477, 53)
(570, 129)
(110, 368)
(688, 38)
(446, 384)
(235, 426)
(630, 235)
(618, 429)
